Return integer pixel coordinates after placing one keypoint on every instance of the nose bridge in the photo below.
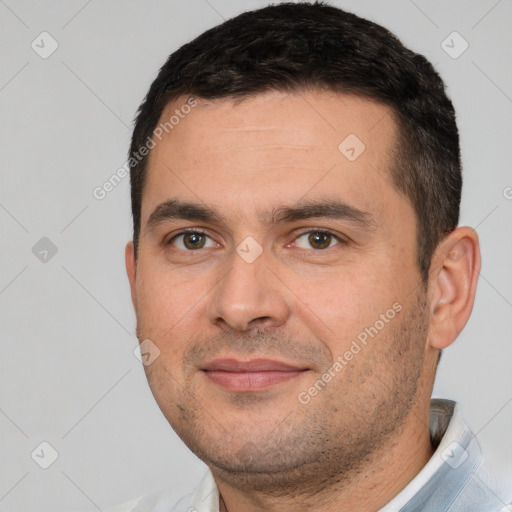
(248, 293)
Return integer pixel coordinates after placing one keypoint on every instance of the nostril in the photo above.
(261, 320)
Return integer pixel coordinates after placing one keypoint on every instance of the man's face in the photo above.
(298, 253)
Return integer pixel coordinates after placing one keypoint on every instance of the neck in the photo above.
(366, 488)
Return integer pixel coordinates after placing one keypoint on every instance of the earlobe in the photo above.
(452, 285)
(131, 270)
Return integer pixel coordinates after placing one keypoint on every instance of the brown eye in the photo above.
(194, 240)
(191, 241)
(319, 240)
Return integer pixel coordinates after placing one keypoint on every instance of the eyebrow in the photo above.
(328, 209)
(175, 209)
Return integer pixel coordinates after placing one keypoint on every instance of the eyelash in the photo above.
(187, 231)
(199, 231)
(337, 238)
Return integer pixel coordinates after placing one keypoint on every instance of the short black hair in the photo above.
(294, 47)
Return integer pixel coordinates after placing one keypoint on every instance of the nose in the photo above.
(249, 296)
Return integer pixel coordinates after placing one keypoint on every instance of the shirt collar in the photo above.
(454, 461)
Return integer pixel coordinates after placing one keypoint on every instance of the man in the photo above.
(296, 268)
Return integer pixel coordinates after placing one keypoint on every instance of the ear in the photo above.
(452, 285)
(131, 269)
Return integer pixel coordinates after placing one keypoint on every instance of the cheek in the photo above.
(168, 306)
(342, 305)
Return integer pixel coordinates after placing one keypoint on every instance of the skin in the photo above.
(363, 437)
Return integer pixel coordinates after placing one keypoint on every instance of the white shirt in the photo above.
(453, 480)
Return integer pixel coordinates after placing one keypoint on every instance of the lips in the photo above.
(252, 375)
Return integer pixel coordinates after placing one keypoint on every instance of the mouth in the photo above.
(249, 376)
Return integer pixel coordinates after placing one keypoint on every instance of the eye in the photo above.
(191, 241)
(317, 239)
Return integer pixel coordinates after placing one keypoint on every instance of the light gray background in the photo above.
(68, 375)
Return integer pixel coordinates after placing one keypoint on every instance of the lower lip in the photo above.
(250, 381)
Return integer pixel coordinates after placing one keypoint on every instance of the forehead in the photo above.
(314, 121)
(273, 147)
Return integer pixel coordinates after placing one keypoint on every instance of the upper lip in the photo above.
(252, 365)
